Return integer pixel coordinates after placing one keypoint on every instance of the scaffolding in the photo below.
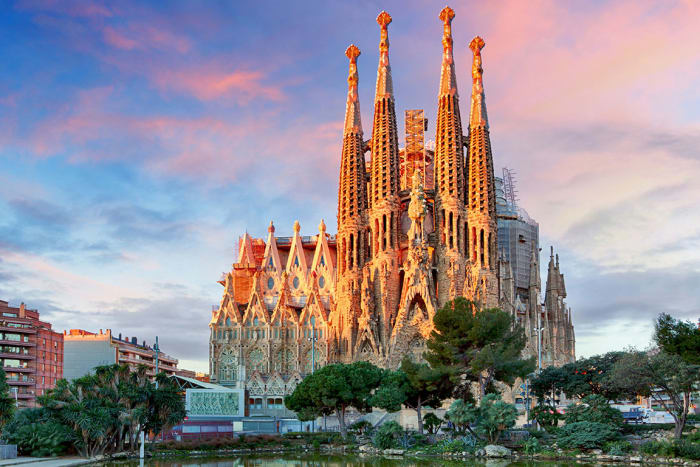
(511, 194)
(414, 156)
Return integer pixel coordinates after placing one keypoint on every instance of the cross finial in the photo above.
(352, 53)
(446, 15)
(384, 19)
(476, 45)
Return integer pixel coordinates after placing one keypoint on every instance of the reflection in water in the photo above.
(317, 460)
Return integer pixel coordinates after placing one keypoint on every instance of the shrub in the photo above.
(432, 423)
(618, 448)
(387, 434)
(37, 435)
(546, 416)
(675, 448)
(594, 408)
(585, 435)
(361, 427)
(462, 444)
(532, 446)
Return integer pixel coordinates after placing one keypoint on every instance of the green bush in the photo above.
(37, 435)
(585, 435)
(387, 434)
(360, 427)
(462, 444)
(618, 448)
(594, 408)
(675, 448)
(546, 416)
(532, 446)
(432, 423)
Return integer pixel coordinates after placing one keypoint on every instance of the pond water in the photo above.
(330, 460)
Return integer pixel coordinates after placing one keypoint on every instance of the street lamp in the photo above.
(157, 349)
(313, 340)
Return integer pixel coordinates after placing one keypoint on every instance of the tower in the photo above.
(449, 173)
(383, 198)
(352, 204)
(480, 197)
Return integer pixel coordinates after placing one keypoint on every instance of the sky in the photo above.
(139, 140)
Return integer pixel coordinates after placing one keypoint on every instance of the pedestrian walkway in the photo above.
(46, 461)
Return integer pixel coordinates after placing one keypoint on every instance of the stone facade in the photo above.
(401, 252)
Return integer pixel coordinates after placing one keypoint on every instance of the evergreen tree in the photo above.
(414, 385)
(678, 338)
(483, 346)
(333, 389)
(7, 402)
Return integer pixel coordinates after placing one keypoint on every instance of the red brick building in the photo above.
(31, 353)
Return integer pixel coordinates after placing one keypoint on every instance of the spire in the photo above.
(352, 108)
(478, 115)
(384, 182)
(448, 77)
(352, 189)
(481, 195)
(385, 87)
(449, 148)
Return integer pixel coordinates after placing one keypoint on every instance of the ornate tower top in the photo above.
(478, 115)
(385, 87)
(448, 80)
(271, 227)
(322, 227)
(297, 226)
(352, 108)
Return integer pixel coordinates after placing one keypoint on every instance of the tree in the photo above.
(491, 418)
(106, 410)
(333, 389)
(678, 337)
(594, 408)
(462, 414)
(548, 384)
(665, 377)
(546, 416)
(477, 346)
(432, 423)
(590, 376)
(414, 385)
(7, 402)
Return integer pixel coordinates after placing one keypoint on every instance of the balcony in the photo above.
(15, 369)
(23, 356)
(18, 330)
(22, 343)
(18, 382)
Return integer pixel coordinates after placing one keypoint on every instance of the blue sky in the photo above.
(138, 140)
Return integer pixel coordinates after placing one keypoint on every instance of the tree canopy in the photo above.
(414, 385)
(665, 377)
(104, 411)
(678, 337)
(333, 389)
(482, 347)
(579, 379)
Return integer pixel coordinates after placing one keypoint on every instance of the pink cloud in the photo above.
(145, 36)
(210, 82)
(116, 39)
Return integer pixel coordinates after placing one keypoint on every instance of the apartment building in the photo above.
(31, 353)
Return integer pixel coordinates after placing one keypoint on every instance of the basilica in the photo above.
(416, 228)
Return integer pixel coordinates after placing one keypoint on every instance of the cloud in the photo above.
(206, 83)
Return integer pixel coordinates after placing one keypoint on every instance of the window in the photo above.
(295, 282)
(228, 321)
(270, 281)
(255, 321)
(321, 282)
